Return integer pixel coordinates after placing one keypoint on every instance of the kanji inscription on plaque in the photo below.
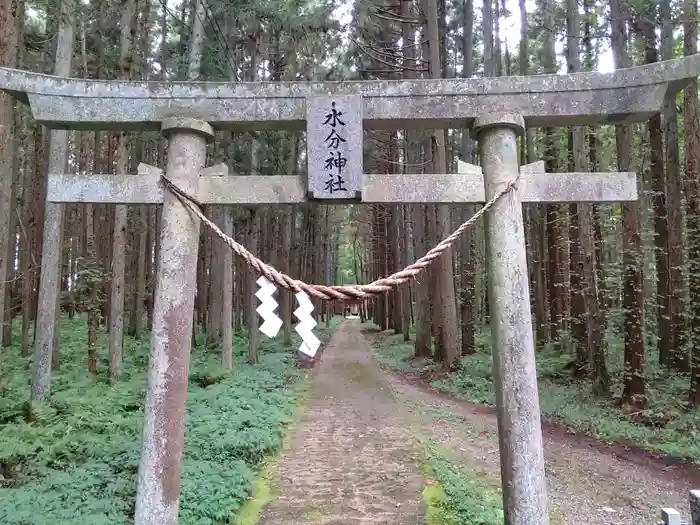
(334, 147)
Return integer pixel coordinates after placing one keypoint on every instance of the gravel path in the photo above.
(585, 485)
(352, 459)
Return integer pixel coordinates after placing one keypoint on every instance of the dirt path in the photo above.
(585, 484)
(352, 459)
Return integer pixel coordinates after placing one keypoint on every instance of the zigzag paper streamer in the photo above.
(271, 322)
(304, 328)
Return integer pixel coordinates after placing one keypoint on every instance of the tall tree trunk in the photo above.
(577, 156)
(408, 257)
(196, 46)
(634, 384)
(673, 305)
(30, 263)
(415, 212)
(555, 215)
(446, 326)
(647, 31)
(8, 58)
(395, 222)
(535, 224)
(227, 296)
(692, 173)
(142, 212)
(467, 257)
(252, 244)
(117, 291)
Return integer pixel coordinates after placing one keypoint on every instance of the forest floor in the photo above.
(367, 442)
(78, 454)
(376, 447)
(667, 426)
(586, 484)
(598, 463)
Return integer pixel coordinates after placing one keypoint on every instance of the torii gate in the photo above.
(496, 109)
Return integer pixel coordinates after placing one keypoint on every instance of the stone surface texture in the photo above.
(670, 516)
(694, 501)
(515, 378)
(351, 459)
(334, 147)
(49, 298)
(552, 100)
(158, 489)
(376, 189)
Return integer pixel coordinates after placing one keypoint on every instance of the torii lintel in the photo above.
(623, 96)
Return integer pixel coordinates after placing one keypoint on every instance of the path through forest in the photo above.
(585, 485)
(354, 457)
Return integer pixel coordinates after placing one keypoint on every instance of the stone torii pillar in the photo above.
(158, 492)
(515, 374)
(519, 429)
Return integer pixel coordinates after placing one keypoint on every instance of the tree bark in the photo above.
(692, 173)
(117, 289)
(8, 58)
(634, 384)
(447, 331)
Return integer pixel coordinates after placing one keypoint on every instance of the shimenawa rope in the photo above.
(356, 292)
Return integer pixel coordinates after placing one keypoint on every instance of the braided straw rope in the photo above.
(351, 293)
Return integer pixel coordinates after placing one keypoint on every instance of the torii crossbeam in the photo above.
(627, 95)
(497, 110)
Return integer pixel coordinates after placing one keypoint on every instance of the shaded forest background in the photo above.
(615, 287)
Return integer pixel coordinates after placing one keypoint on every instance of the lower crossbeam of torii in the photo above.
(334, 115)
(214, 186)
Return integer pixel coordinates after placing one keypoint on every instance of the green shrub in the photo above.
(75, 461)
(464, 498)
(569, 401)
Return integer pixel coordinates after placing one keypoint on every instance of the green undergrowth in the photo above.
(665, 426)
(261, 494)
(75, 460)
(457, 496)
(263, 491)
(453, 495)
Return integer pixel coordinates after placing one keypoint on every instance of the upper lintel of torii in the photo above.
(624, 96)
